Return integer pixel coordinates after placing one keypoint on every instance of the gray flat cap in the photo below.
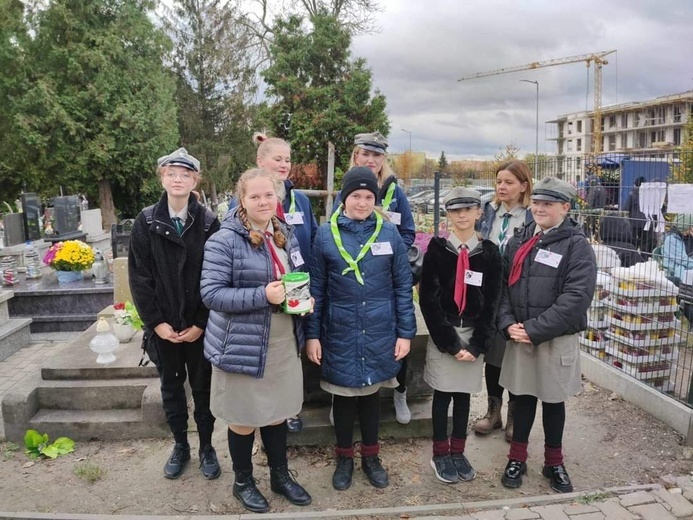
(180, 157)
(375, 142)
(552, 189)
(462, 198)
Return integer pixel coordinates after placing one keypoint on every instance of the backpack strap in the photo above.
(210, 217)
(148, 213)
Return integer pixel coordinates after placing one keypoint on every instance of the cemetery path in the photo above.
(608, 443)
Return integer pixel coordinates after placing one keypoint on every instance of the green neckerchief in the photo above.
(353, 265)
(388, 196)
(292, 206)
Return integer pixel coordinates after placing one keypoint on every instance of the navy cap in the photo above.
(375, 142)
(552, 189)
(358, 178)
(180, 157)
(462, 198)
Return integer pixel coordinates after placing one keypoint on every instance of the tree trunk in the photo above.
(213, 195)
(108, 214)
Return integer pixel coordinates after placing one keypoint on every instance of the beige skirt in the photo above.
(346, 391)
(549, 371)
(244, 400)
(446, 374)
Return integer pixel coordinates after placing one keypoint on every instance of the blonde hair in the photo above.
(266, 144)
(523, 174)
(257, 238)
(385, 170)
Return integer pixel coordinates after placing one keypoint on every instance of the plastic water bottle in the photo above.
(31, 261)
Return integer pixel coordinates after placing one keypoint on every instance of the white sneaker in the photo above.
(402, 413)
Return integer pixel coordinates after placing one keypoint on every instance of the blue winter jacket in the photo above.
(489, 215)
(234, 276)
(399, 204)
(358, 325)
(304, 232)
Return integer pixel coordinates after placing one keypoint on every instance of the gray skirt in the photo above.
(244, 400)
(444, 373)
(549, 371)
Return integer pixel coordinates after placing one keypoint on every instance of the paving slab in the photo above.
(680, 507)
(652, 512)
(589, 516)
(552, 512)
(636, 499)
(580, 509)
(521, 514)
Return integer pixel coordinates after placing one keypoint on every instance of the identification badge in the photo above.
(548, 258)
(473, 278)
(381, 248)
(294, 218)
(297, 259)
(395, 218)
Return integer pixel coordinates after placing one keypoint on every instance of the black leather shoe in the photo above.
(245, 490)
(560, 481)
(375, 472)
(209, 464)
(177, 461)
(341, 479)
(294, 424)
(465, 471)
(284, 483)
(512, 476)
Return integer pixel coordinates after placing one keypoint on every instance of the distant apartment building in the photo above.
(643, 129)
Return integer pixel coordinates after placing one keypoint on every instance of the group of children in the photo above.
(527, 279)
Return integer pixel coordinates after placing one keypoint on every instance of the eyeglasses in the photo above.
(186, 176)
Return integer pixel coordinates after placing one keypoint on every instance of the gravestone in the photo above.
(31, 211)
(120, 238)
(66, 215)
(14, 229)
(91, 222)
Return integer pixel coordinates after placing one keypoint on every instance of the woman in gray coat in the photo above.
(550, 286)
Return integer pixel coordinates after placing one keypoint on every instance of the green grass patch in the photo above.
(89, 472)
(594, 497)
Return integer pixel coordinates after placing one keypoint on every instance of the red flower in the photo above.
(119, 306)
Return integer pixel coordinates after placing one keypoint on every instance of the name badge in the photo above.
(381, 248)
(548, 258)
(297, 259)
(294, 218)
(395, 218)
(473, 278)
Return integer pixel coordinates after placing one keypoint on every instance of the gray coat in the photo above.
(552, 305)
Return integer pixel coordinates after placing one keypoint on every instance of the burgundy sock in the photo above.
(553, 456)
(457, 445)
(518, 451)
(441, 448)
(369, 451)
(344, 452)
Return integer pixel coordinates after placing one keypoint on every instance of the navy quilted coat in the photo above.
(356, 324)
(234, 276)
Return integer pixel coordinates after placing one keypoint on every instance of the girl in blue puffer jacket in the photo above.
(363, 319)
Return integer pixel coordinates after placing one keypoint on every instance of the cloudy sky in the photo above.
(423, 47)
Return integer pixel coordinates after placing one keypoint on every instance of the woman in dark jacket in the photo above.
(257, 379)
(363, 320)
(164, 264)
(506, 212)
(616, 233)
(552, 277)
(459, 292)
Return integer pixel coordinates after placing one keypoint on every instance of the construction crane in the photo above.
(596, 57)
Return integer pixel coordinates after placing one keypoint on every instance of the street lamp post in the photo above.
(407, 131)
(536, 142)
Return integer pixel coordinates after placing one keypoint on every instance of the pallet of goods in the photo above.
(593, 339)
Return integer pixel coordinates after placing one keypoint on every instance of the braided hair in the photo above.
(257, 238)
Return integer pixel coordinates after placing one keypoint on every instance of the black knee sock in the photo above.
(553, 419)
(525, 411)
(274, 439)
(402, 377)
(241, 450)
(439, 414)
(369, 418)
(344, 411)
(460, 415)
(493, 387)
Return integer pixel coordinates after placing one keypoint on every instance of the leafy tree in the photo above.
(215, 84)
(318, 93)
(541, 166)
(442, 162)
(682, 171)
(509, 151)
(99, 107)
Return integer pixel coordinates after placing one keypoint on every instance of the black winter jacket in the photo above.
(165, 268)
(550, 302)
(437, 289)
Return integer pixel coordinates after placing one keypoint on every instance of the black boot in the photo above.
(375, 472)
(283, 483)
(177, 460)
(341, 479)
(512, 476)
(560, 481)
(244, 489)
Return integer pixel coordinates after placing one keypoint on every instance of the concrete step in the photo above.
(92, 395)
(62, 322)
(14, 335)
(96, 424)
